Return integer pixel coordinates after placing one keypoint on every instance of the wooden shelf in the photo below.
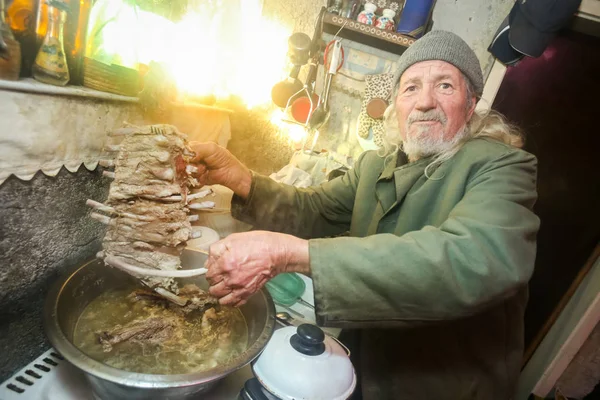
(367, 34)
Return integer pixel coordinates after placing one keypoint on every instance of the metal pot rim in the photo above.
(135, 379)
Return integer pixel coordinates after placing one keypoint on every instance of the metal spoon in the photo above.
(285, 318)
(320, 115)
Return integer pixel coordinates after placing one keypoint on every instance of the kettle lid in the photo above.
(305, 363)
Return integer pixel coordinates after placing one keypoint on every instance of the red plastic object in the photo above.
(301, 108)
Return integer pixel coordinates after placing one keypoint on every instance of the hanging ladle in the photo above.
(306, 102)
(321, 114)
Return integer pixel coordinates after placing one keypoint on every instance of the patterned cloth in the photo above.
(378, 86)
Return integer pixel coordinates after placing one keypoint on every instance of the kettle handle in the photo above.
(341, 344)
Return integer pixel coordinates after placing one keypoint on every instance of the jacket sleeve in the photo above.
(482, 254)
(320, 211)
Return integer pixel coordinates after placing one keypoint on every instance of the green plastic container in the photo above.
(286, 289)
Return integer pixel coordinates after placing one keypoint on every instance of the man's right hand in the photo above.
(240, 264)
(216, 165)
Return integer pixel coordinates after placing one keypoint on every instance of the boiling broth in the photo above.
(199, 341)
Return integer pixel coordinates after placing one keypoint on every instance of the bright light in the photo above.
(235, 51)
(277, 118)
(297, 133)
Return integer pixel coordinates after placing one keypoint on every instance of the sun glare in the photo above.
(234, 52)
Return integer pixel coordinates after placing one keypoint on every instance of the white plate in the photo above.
(209, 236)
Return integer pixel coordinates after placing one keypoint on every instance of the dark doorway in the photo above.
(556, 100)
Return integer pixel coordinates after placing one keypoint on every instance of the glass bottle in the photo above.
(336, 7)
(350, 9)
(50, 64)
(75, 51)
(20, 16)
(10, 52)
(75, 29)
(41, 21)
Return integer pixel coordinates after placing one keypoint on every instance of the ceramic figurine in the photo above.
(387, 20)
(367, 16)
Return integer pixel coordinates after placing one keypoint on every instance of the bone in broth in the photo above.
(138, 332)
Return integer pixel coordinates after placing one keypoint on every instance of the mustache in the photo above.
(431, 115)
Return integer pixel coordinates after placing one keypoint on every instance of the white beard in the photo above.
(423, 143)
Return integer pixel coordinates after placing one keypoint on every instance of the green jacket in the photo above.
(434, 273)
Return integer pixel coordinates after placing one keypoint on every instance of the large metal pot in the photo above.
(69, 297)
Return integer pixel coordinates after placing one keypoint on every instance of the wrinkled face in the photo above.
(432, 106)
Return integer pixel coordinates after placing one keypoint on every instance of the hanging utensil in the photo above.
(305, 105)
(284, 90)
(299, 46)
(321, 114)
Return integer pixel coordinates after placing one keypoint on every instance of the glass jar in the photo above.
(367, 16)
(10, 57)
(21, 19)
(386, 21)
(50, 64)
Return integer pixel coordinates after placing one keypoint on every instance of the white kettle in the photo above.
(303, 363)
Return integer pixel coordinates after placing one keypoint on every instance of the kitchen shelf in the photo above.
(30, 85)
(392, 42)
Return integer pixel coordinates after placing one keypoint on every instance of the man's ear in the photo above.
(471, 109)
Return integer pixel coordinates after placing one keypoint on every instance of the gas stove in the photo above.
(50, 377)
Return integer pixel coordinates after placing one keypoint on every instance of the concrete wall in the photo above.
(45, 228)
(257, 142)
(44, 222)
(475, 21)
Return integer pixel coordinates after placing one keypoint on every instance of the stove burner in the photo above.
(253, 390)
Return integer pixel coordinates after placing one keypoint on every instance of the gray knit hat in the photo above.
(444, 46)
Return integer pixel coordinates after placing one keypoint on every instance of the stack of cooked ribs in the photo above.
(149, 201)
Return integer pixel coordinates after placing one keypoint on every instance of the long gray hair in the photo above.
(486, 123)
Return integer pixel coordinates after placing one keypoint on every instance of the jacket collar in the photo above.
(391, 163)
(399, 161)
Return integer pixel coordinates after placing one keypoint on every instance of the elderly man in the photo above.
(434, 272)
